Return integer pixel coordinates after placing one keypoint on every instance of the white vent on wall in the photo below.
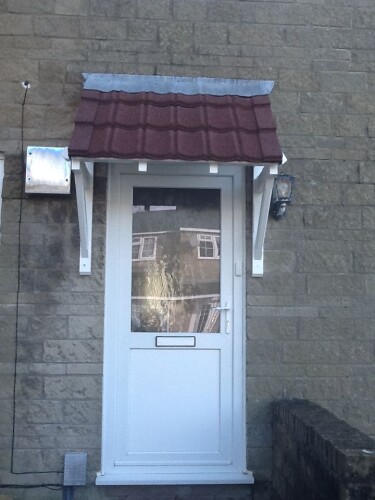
(48, 170)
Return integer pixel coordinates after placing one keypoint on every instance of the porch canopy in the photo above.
(171, 118)
(137, 117)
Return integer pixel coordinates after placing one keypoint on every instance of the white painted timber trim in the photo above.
(142, 166)
(263, 178)
(84, 179)
(214, 168)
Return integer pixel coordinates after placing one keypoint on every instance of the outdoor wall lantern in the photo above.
(282, 195)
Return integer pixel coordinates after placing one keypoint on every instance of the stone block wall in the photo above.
(310, 319)
(316, 456)
(52, 330)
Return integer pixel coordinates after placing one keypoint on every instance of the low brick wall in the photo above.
(319, 457)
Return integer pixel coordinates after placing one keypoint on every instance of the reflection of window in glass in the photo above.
(209, 246)
(208, 318)
(144, 248)
(170, 284)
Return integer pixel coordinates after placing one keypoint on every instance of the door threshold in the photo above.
(170, 479)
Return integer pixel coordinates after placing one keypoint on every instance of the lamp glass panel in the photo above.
(283, 188)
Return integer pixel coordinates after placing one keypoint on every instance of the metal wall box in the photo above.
(48, 170)
(75, 469)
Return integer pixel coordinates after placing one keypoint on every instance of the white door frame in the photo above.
(235, 472)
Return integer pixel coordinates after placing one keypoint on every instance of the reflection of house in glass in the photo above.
(176, 260)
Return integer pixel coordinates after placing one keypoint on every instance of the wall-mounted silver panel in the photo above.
(47, 170)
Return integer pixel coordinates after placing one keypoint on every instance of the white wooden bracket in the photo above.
(84, 180)
(263, 178)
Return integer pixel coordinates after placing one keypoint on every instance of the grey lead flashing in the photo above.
(106, 82)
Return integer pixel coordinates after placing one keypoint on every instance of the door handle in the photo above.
(226, 310)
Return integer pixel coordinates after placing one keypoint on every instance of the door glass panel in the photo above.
(175, 260)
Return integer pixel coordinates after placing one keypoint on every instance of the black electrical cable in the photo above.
(50, 486)
(18, 284)
(26, 85)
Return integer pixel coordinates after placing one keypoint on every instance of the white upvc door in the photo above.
(173, 402)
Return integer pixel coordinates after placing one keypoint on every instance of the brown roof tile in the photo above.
(146, 125)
